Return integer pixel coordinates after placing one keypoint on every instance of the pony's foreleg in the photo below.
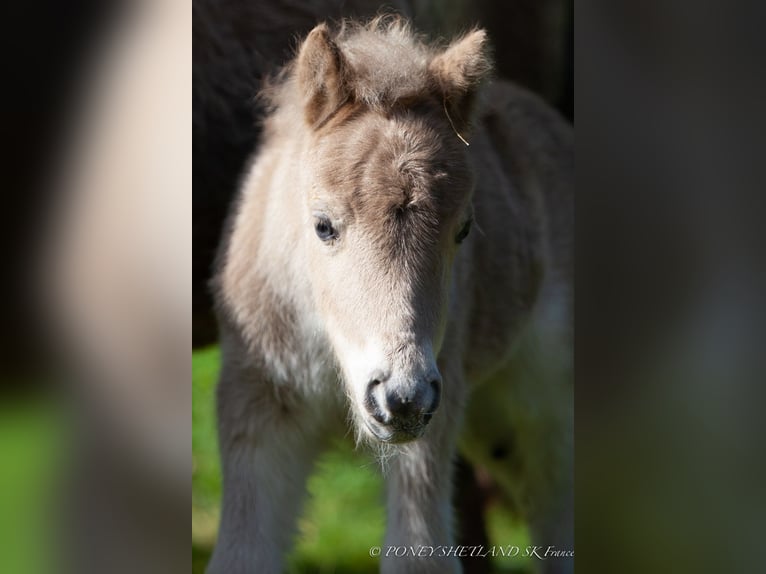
(267, 451)
(419, 537)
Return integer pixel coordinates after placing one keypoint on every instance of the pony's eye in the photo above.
(324, 229)
(464, 231)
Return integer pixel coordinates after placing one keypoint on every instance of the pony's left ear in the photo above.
(320, 70)
(459, 70)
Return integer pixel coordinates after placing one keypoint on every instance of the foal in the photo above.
(353, 289)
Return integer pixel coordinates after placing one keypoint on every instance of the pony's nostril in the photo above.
(378, 416)
(397, 405)
(371, 402)
(436, 385)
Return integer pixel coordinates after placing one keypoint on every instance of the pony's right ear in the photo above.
(320, 72)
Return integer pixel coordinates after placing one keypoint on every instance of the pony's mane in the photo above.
(385, 62)
(389, 61)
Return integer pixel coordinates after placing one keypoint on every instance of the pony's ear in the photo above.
(459, 70)
(320, 71)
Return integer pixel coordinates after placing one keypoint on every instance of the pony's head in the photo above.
(387, 205)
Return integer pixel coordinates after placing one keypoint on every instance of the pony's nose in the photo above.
(411, 406)
(406, 410)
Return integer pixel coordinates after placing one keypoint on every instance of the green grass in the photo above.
(344, 514)
(206, 477)
(32, 436)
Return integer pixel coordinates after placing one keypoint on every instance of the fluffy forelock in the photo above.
(387, 62)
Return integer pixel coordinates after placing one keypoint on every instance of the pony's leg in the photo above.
(470, 501)
(419, 496)
(519, 426)
(268, 446)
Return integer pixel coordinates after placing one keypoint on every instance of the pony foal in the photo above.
(351, 284)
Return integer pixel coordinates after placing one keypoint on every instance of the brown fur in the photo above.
(363, 135)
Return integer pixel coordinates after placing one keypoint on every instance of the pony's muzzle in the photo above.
(401, 412)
